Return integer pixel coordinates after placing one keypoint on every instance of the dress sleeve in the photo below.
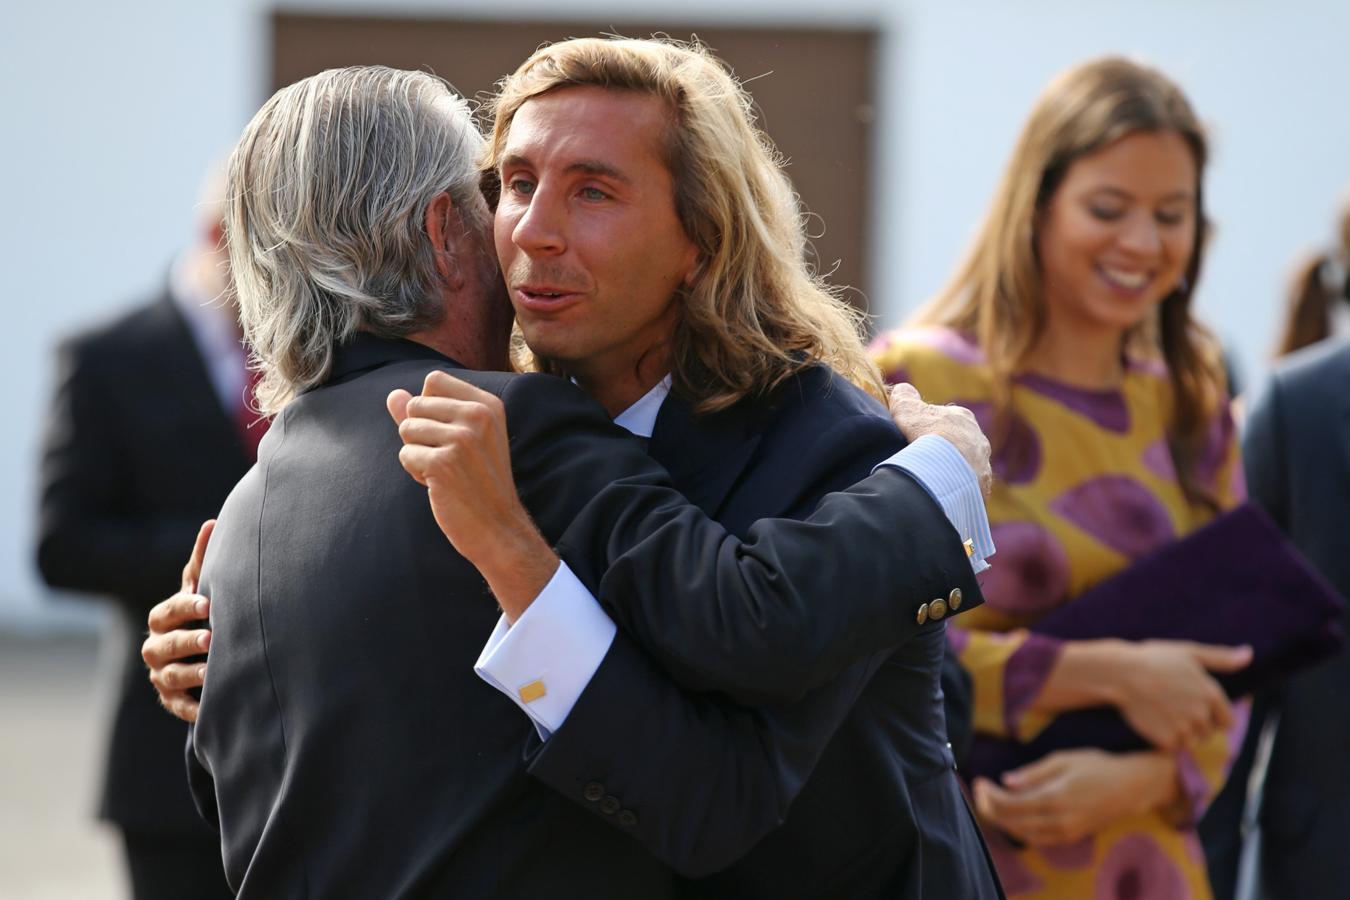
(1007, 670)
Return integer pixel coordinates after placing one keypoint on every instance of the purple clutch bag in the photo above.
(1237, 580)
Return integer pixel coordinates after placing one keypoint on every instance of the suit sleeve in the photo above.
(766, 618)
(90, 537)
(697, 777)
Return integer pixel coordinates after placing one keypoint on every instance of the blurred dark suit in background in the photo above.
(1297, 455)
(145, 440)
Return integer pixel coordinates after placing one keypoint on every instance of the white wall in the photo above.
(112, 111)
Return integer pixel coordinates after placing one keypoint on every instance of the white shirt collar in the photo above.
(640, 418)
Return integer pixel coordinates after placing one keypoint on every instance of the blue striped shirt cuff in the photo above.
(944, 473)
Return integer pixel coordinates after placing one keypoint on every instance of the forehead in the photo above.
(624, 129)
(1145, 163)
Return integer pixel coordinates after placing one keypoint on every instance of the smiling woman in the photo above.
(1067, 331)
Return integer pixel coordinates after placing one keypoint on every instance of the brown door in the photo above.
(813, 89)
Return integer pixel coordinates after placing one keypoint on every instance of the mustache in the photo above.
(555, 275)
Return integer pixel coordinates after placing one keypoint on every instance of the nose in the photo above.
(1140, 235)
(541, 227)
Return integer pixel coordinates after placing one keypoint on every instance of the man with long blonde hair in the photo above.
(654, 252)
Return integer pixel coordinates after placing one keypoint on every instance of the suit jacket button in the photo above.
(937, 608)
(610, 805)
(923, 613)
(593, 791)
(627, 818)
(954, 599)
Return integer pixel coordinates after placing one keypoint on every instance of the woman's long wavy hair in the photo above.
(754, 313)
(326, 192)
(998, 294)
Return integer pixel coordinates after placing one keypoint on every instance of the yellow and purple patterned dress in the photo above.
(1083, 485)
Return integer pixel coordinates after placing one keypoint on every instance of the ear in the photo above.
(693, 266)
(215, 235)
(444, 230)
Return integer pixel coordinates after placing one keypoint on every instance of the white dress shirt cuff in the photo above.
(547, 658)
(944, 473)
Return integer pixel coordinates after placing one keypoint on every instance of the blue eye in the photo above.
(521, 186)
(592, 193)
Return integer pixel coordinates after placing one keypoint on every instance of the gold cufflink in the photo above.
(969, 544)
(954, 599)
(532, 691)
(937, 608)
(923, 613)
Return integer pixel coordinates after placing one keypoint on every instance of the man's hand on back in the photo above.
(956, 424)
(455, 444)
(171, 641)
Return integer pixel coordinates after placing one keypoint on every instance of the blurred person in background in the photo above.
(1318, 305)
(1068, 332)
(149, 431)
(1279, 829)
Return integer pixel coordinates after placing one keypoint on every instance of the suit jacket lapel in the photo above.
(706, 455)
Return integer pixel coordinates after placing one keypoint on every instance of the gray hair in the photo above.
(327, 191)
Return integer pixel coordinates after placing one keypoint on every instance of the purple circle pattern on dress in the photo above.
(1032, 575)
(1106, 409)
(1158, 460)
(1017, 458)
(1012, 872)
(1136, 868)
(1118, 511)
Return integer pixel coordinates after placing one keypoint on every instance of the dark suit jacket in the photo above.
(344, 744)
(138, 454)
(1297, 460)
(882, 814)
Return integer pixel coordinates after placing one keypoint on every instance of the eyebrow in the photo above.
(584, 166)
(1118, 192)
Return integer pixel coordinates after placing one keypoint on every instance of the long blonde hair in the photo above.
(754, 313)
(997, 293)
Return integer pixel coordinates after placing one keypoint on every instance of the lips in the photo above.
(1130, 281)
(543, 297)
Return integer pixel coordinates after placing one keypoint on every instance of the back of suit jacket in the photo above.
(344, 744)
